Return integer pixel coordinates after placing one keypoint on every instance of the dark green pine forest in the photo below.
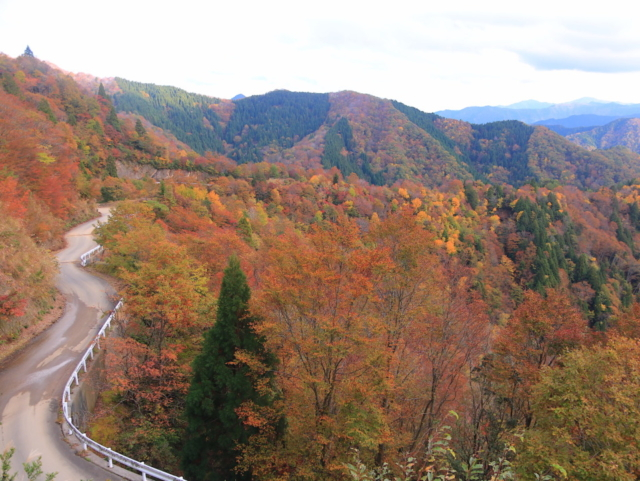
(188, 116)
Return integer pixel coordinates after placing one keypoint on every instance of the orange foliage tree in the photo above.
(539, 332)
(315, 298)
(374, 336)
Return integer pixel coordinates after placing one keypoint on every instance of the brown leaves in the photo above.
(536, 336)
(373, 333)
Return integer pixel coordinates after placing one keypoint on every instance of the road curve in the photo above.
(31, 382)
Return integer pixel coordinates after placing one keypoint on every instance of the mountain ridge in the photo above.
(618, 133)
(532, 115)
(388, 141)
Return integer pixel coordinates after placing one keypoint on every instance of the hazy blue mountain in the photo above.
(238, 97)
(589, 100)
(586, 120)
(584, 106)
(565, 131)
(529, 104)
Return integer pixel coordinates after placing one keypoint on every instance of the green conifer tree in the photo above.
(112, 119)
(102, 92)
(221, 384)
(9, 84)
(244, 229)
(472, 195)
(634, 215)
(111, 169)
(45, 107)
(28, 52)
(581, 270)
(140, 130)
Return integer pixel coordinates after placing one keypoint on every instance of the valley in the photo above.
(399, 280)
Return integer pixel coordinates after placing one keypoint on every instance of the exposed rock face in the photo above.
(132, 170)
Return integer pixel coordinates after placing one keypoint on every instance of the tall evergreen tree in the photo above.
(28, 52)
(634, 215)
(222, 383)
(141, 131)
(112, 119)
(111, 169)
(244, 229)
(472, 195)
(102, 92)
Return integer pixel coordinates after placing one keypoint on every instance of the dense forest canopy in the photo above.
(281, 118)
(188, 116)
(381, 288)
(389, 141)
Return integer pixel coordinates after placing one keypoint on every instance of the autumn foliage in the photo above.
(381, 324)
(390, 286)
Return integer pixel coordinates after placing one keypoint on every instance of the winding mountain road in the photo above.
(31, 382)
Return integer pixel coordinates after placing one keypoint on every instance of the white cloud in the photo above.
(429, 56)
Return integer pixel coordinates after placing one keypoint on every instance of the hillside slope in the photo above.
(379, 140)
(621, 132)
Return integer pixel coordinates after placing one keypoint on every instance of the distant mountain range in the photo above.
(585, 112)
(580, 121)
(381, 141)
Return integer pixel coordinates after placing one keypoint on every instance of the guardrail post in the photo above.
(66, 399)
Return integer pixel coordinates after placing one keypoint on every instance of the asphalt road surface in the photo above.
(31, 382)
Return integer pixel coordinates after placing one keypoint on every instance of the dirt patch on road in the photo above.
(9, 348)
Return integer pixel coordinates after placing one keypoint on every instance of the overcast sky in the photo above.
(479, 52)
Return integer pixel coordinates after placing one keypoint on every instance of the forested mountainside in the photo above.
(397, 267)
(381, 141)
(189, 117)
(58, 148)
(619, 133)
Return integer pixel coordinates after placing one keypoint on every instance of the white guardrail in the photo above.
(87, 256)
(66, 401)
